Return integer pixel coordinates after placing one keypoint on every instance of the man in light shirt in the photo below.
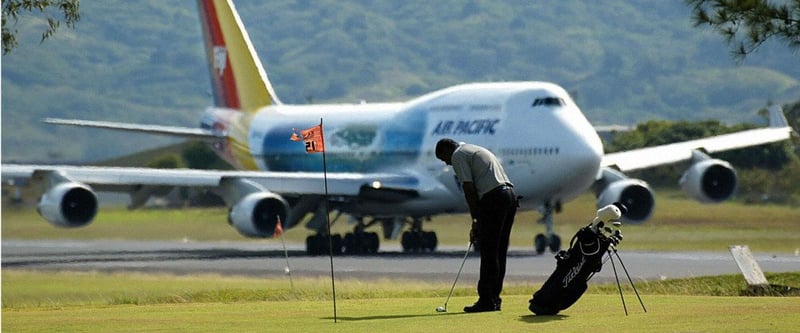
(492, 204)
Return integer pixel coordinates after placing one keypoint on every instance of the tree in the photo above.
(198, 155)
(774, 158)
(12, 9)
(746, 24)
(170, 161)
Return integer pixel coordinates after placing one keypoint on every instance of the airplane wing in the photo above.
(643, 158)
(120, 179)
(257, 200)
(182, 132)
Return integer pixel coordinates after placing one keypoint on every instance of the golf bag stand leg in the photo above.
(629, 279)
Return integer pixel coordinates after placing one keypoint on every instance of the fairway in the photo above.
(596, 313)
(122, 302)
(75, 302)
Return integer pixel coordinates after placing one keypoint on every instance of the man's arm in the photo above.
(471, 194)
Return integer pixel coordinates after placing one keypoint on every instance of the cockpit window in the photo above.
(548, 101)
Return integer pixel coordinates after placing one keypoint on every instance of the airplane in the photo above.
(379, 165)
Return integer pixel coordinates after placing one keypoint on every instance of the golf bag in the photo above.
(574, 268)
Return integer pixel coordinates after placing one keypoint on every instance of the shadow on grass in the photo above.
(534, 319)
(399, 316)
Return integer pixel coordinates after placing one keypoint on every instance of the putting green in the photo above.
(100, 302)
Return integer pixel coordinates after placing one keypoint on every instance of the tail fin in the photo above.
(237, 77)
(776, 117)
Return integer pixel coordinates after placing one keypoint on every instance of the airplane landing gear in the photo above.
(542, 242)
(360, 241)
(548, 240)
(320, 244)
(417, 240)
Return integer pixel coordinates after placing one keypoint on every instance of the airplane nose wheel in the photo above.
(542, 242)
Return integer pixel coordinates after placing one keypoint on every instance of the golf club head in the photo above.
(441, 309)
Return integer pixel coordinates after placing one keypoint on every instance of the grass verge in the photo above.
(678, 224)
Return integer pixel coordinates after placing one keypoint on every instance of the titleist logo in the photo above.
(573, 272)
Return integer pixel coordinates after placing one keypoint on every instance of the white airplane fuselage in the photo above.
(548, 148)
(379, 157)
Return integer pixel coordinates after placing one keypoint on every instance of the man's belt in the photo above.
(504, 187)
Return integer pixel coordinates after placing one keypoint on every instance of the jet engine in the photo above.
(635, 194)
(709, 181)
(68, 204)
(257, 214)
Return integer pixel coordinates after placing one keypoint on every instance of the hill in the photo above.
(624, 61)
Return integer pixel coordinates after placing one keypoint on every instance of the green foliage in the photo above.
(763, 185)
(198, 155)
(660, 132)
(70, 9)
(167, 162)
(746, 24)
(766, 173)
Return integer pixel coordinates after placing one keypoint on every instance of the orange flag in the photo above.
(313, 139)
(278, 229)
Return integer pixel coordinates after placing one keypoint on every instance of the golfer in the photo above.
(492, 204)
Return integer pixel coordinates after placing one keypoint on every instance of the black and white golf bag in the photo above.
(575, 266)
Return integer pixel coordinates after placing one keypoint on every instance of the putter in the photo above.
(444, 308)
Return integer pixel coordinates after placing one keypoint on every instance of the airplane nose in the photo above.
(594, 148)
(587, 152)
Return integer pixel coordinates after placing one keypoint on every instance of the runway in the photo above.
(268, 259)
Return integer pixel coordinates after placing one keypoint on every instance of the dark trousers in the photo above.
(495, 219)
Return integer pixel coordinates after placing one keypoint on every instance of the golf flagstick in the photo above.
(279, 231)
(314, 140)
(328, 217)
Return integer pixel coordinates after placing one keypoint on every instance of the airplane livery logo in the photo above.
(466, 127)
(220, 59)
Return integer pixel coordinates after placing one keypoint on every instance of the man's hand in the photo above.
(473, 232)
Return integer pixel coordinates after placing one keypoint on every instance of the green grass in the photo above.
(104, 302)
(594, 313)
(34, 289)
(678, 224)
